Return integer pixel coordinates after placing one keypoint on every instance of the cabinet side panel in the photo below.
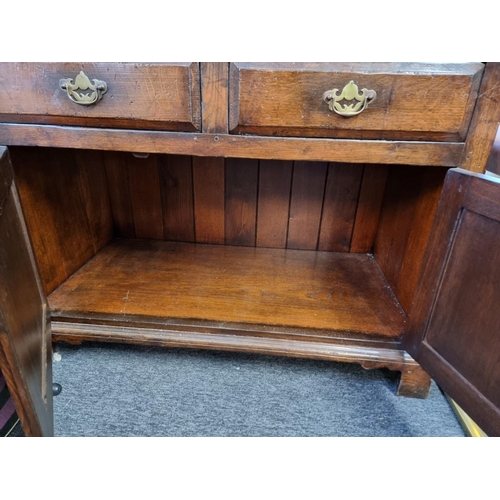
(408, 210)
(66, 208)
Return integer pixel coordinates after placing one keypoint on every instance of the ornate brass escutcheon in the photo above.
(350, 101)
(82, 82)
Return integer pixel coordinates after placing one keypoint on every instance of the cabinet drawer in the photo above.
(164, 96)
(413, 101)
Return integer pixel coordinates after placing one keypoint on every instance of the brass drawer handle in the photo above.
(82, 82)
(340, 103)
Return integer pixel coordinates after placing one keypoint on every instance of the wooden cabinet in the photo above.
(272, 225)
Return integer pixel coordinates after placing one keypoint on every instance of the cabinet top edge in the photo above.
(418, 68)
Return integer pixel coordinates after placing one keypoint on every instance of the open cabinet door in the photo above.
(454, 325)
(25, 344)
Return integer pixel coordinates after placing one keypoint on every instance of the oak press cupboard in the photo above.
(297, 209)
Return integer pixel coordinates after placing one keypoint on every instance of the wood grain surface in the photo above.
(485, 121)
(25, 339)
(214, 91)
(162, 96)
(370, 201)
(453, 327)
(222, 285)
(242, 178)
(306, 204)
(410, 203)
(236, 146)
(414, 101)
(275, 181)
(65, 200)
(209, 199)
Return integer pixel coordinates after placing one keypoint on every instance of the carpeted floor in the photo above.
(120, 390)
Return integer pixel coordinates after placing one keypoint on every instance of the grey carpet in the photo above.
(121, 390)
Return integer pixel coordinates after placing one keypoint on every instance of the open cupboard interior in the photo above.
(237, 252)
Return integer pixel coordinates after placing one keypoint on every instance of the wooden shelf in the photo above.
(285, 293)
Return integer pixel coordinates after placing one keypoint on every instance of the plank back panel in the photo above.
(308, 189)
(339, 208)
(177, 195)
(208, 187)
(275, 180)
(76, 201)
(119, 194)
(241, 201)
(144, 181)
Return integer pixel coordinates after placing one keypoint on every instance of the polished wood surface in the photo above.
(236, 146)
(118, 182)
(241, 179)
(454, 323)
(177, 198)
(306, 204)
(266, 203)
(209, 199)
(484, 122)
(145, 195)
(275, 183)
(222, 285)
(340, 204)
(493, 164)
(414, 101)
(64, 195)
(410, 202)
(162, 96)
(371, 197)
(360, 194)
(374, 353)
(25, 339)
(214, 88)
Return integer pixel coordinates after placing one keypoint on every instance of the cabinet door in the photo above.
(25, 344)
(454, 326)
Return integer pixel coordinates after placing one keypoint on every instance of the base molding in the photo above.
(414, 381)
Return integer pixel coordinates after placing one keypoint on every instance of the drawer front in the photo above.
(164, 96)
(413, 101)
